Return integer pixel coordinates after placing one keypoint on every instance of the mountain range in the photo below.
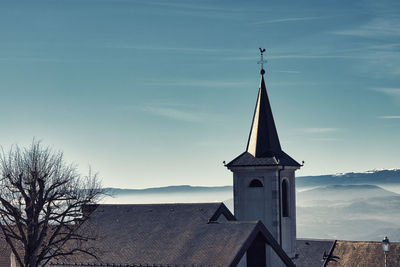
(168, 189)
(349, 206)
(373, 177)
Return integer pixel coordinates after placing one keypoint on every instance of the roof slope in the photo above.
(167, 234)
(309, 252)
(263, 146)
(364, 253)
(279, 159)
(263, 139)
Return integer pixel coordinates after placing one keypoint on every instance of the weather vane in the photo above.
(262, 61)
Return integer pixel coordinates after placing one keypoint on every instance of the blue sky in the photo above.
(154, 93)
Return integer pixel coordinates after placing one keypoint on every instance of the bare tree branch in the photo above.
(41, 201)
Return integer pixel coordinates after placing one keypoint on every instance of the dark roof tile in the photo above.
(309, 252)
(165, 234)
(364, 253)
(276, 159)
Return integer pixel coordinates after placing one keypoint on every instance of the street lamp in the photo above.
(386, 248)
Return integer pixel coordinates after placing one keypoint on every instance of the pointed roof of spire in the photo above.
(263, 139)
(263, 146)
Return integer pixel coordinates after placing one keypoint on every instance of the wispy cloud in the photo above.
(389, 117)
(387, 54)
(179, 112)
(289, 71)
(316, 56)
(190, 9)
(394, 92)
(320, 134)
(288, 20)
(32, 59)
(327, 139)
(204, 83)
(379, 27)
(163, 48)
(385, 47)
(185, 5)
(319, 130)
(213, 143)
(173, 113)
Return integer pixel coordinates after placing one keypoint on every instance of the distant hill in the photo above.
(350, 206)
(169, 189)
(353, 178)
(374, 177)
(360, 219)
(341, 193)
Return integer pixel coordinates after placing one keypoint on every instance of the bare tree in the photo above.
(41, 201)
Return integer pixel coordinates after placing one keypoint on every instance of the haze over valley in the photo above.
(349, 206)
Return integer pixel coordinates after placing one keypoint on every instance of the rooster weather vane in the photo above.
(262, 61)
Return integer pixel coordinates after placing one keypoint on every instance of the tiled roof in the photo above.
(364, 253)
(309, 252)
(130, 265)
(165, 235)
(168, 235)
(276, 159)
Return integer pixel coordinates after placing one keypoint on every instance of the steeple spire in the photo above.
(263, 139)
(263, 146)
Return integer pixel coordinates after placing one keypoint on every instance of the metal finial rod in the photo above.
(262, 61)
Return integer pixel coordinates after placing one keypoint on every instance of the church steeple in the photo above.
(263, 146)
(263, 139)
(264, 178)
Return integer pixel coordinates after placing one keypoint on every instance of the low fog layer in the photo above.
(352, 206)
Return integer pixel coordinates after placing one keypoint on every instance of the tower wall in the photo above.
(265, 203)
(257, 203)
(289, 223)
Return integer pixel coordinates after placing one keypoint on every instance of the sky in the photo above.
(154, 92)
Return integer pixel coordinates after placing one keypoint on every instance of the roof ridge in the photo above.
(131, 265)
(164, 204)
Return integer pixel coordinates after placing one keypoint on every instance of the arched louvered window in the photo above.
(255, 183)
(285, 198)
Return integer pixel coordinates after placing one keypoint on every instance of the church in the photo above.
(260, 233)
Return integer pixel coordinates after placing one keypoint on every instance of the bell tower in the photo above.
(264, 177)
